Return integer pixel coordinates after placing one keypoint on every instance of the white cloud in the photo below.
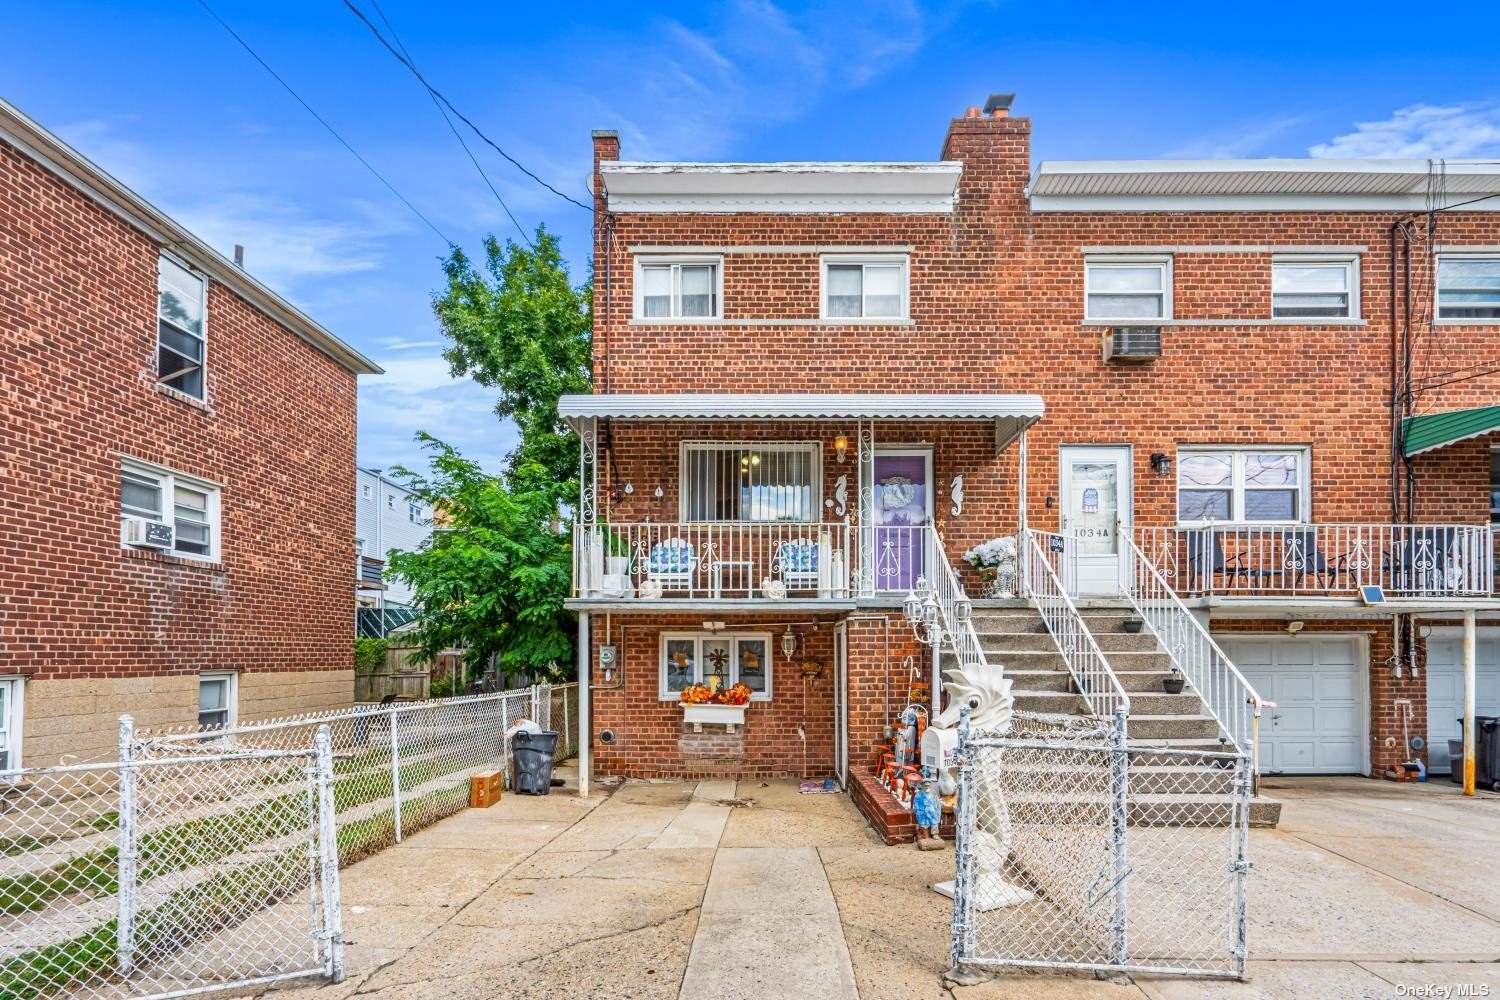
(698, 90)
(1425, 131)
(1245, 139)
(285, 245)
(418, 394)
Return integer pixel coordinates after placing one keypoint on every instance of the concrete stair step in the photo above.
(1171, 727)
(1008, 621)
(1024, 659)
(1048, 702)
(1112, 620)
(1109, 642)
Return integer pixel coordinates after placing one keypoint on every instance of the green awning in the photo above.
(1438, 430)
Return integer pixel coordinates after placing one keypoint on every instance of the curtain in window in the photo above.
(739, 483)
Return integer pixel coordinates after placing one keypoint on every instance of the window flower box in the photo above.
(728, 716)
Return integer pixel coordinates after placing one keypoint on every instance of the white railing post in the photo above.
(536, 705)
(126, 841)
(328, 850)
(395, 776)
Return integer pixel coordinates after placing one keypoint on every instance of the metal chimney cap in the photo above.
(998, 102)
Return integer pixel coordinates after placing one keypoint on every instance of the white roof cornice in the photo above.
(781, 187)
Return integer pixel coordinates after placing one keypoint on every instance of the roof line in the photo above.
(46, 149)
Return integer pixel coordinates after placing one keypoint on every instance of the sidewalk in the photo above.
(751, 890)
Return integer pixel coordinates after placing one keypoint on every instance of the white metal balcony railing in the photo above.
(1224, 691)
(1044, 553)
(1323, 560)
(712, 559)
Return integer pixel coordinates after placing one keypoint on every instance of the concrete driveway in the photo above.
(713, 889)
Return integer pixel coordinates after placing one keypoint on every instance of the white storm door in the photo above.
(1096, 498)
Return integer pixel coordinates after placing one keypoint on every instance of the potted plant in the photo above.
(1173, 682)
(996, 561)
(725, 707)
(617, 562)
(1134, 625)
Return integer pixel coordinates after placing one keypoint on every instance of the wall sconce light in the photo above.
(789, 643)
(1161, 463)
(841, 447)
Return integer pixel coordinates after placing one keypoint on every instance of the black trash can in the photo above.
(1486, 752)
(531, 754)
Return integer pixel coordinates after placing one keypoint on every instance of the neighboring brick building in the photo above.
(800, 366)
(169, 430)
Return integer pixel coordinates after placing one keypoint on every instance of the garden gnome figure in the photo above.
(927, 811)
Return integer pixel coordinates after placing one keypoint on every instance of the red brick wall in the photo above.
(78, 390)
(652, 741)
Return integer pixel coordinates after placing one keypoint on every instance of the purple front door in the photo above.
(902, 496)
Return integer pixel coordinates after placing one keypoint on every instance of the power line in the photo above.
(453, 128)
(323, 122)
(449, 105)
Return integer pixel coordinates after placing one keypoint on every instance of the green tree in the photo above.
(520, 327)
(494, 575)
(492, 578)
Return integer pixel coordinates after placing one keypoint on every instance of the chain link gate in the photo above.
(1076, 850)
(171, 875)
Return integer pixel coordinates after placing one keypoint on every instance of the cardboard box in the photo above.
(484, 789)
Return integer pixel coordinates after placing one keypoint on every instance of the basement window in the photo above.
(1312, 289)
(1468, 288)
(10, 723)
(692, 657)
(181, 302)
(216, 700)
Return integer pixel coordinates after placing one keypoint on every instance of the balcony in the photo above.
(369, 573)
(1410, 562)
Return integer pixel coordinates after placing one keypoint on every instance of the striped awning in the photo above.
(1011, 413)
(1438, 430)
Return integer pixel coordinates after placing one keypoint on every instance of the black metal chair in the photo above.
(1206, 561)
(1419, 562)
(1301, 556)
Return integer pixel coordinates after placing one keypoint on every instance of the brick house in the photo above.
(817, 385)
(169, 546)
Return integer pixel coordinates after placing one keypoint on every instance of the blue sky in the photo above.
(157, 93)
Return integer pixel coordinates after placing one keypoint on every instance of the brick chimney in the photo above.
(995, 149)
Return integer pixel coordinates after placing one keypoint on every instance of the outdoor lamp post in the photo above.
(925, 617)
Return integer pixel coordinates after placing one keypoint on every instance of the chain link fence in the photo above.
(1077, 850)
(118, 878)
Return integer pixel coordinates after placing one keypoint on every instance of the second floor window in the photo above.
(190, 506)
(1128, 289)
(1468, 288)
(736, 482)
(1241, 484)
(677, 289)
(874, 288)
(180, 307)
(1314, 289)
(414, 513)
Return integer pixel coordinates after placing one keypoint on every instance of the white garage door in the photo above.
(1445, 687)
(1318, 685)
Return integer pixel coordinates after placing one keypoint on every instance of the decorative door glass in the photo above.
(901, 503)
(1094, 507)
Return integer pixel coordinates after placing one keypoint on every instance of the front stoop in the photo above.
(1018, 640)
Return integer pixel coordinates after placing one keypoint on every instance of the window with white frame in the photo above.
(364, 491)
(865, 287)
(750, 482)
(414, 512)
(1313, 288)
(1495, 485)
(693, 657)
(190, 505)
(217, 693)
(678, 288)
(1128, 289)
(181, 301)
(1468, 287)
(1261, 485)
(10, 723)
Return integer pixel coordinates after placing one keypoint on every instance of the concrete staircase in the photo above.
(1018, 640)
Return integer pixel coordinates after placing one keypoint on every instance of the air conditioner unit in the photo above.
(148, 533)
(1132, 343)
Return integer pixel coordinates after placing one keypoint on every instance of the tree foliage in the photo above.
(518, 326)
(493, 577)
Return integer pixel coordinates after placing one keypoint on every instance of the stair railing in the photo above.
(1224, 691)
(953, 604)
(1091, 672)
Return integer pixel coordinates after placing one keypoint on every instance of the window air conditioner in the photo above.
(1132, 343)
(148, 533)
